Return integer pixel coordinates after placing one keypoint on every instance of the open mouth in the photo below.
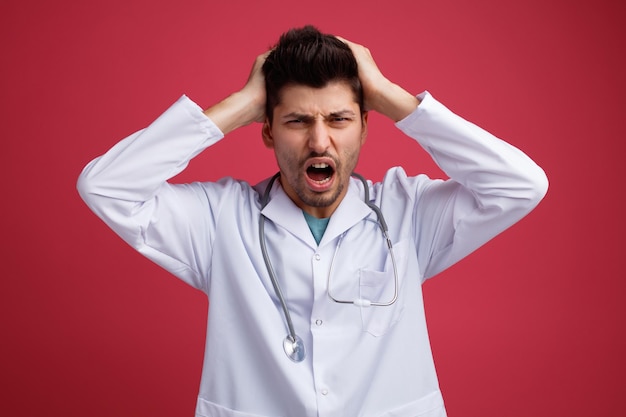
(320, 172)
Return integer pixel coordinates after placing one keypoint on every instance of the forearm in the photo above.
(135, 168)
(470, 155)
(236, 111)
(121, 185)
(392, 101)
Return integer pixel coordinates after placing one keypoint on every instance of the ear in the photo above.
(364, 127)
(266, 132)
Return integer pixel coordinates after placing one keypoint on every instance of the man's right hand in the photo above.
(246, 105)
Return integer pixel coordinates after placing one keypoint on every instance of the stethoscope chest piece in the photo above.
(294, 348)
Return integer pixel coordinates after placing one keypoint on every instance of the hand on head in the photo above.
(304, 65)
(255, 87)
(380, 94)
(370, 76)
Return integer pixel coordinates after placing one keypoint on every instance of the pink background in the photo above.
(530, 325)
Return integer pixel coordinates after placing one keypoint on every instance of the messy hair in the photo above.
(305, 56)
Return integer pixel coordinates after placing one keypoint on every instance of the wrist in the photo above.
(393, 101)
(235, 111)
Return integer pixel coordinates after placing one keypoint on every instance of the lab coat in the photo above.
(360, 361)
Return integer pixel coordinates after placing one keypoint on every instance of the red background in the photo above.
(530, 325)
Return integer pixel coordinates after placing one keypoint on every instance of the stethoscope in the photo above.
(293, 344)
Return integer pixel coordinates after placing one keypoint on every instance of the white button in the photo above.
(318, 322)
(318, 257)
(324, 391)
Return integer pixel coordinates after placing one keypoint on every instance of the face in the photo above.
(317, 135)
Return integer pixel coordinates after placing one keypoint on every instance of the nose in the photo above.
(319, 137)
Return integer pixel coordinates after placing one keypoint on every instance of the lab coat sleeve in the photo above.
(492, 185)
(127, 188)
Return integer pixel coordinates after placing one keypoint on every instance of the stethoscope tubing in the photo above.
(292, 344)
(268, 263)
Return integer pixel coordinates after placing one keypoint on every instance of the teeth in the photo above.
(325, 180)
(320, 165)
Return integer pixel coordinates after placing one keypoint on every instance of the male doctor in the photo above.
(314, 276)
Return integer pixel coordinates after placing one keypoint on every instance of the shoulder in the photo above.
(397, 183)
(226, 191)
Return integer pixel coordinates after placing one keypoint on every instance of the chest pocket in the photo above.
(380, 286)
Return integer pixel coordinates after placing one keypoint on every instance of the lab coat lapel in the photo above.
(282, 211)
(351, 211)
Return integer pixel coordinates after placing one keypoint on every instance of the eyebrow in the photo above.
(342, 113)
(303, 116)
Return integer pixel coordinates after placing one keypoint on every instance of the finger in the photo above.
(344, 40)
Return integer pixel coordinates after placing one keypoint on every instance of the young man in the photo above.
(314, 277)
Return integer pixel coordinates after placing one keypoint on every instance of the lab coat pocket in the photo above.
(380, 287)
(206, 408)
(430, 405)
